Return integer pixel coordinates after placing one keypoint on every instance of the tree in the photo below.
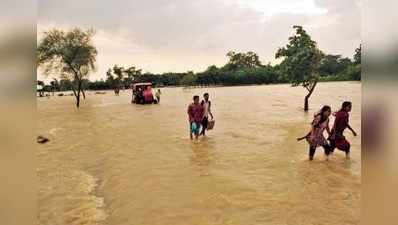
(357, 56)
(333, 65)
(188, 79)
(54, 85)
(109, 77)
(40, 88)
(71, 54)
(301, 60)
(209, 76)
(115, 77)
(119, 72)
(65, 85)
(354, 72)
(132, 75)
(242, 60)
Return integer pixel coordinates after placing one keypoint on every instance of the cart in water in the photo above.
(142, 93)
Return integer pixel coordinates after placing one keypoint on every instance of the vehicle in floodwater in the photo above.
(142, 93)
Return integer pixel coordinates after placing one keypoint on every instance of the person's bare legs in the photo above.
(347, 155)
(203, 132)
(190, 131)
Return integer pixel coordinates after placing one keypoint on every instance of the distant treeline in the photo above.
(241, 69)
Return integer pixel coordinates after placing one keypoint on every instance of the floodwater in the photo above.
(111, 162)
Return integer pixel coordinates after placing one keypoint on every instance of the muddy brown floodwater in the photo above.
(111, 162)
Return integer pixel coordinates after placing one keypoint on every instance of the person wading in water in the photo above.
(157, 95)
(315, 137)
(207, 111)
(337, 139)
(195, 116)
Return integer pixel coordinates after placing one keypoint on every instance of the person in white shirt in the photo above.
(157, 94)
(206, 103)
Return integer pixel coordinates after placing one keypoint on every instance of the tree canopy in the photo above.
(301, 61)
(69, 54)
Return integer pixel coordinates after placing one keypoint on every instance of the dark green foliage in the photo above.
(303, 64)
(301, 61)
(333, 64)
(357, 56)
(69, 54)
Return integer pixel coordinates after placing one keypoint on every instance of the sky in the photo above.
(182, 35)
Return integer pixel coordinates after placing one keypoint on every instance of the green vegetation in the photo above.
(68, 54)
(303, 64)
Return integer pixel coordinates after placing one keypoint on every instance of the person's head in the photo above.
(196, 99)
(158, 90)
(346, 106)
(206, 96)
(325, 111)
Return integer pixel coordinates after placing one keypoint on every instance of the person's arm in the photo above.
(328, 129)
(352, 130)
(189, 111)
(202, 111)
(211, 114)
(315, 122)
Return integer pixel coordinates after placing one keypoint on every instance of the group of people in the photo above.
(198, 116)
(336, 139)
(144, 95)
(199, 113)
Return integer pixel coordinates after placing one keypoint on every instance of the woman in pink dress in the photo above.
(315, 138)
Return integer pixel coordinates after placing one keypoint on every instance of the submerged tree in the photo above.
(71, 54)
(301, 60)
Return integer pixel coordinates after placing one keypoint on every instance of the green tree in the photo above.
(119, 71)
(301, 60)
(70, 53)
(333, 65)
(40, 88)
(354, 72)
(242, 61)
(357, 55)
(188, 79)
(209, 76)
(65, 85)
(115, 77)
(54, 85)
(133, 74)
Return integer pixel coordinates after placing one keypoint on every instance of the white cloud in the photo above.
(181, 35)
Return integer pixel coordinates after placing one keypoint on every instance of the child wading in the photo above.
(195, 115)
(337, 139)
(315, 137)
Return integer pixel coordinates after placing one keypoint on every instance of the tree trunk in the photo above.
(308, 96)
(78, 99)
(84, 95)
(79, 87)
(306, 102)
